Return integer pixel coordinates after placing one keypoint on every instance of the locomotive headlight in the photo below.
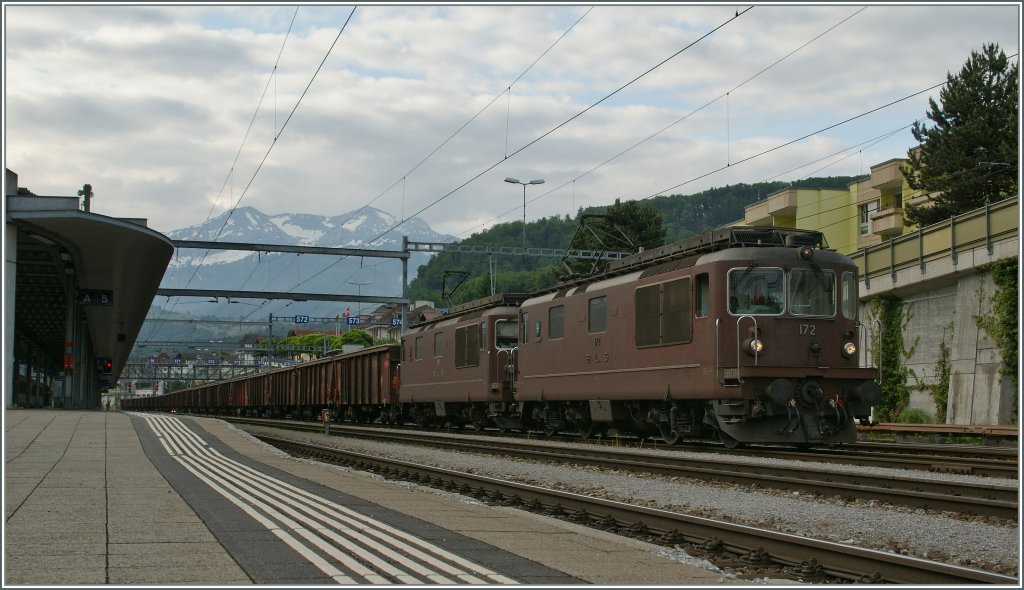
(849, 349)
(755, 346)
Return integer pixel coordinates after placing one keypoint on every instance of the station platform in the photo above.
(93, 497)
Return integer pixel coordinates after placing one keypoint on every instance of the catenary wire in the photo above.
(684, 117)
(543, 135)
(467, 123)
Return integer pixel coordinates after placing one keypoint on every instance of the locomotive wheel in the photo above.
(550, 430)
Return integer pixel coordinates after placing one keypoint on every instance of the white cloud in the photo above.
(149, 104)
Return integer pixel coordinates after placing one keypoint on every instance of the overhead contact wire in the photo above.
(544, 135)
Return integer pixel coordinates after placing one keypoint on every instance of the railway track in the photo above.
(994, 500)
(995, 462)
(742, 546)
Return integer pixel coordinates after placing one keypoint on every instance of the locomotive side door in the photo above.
(505, 342)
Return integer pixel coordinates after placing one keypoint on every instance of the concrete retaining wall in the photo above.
(943, 308)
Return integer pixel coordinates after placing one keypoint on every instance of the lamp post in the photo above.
(516, 181)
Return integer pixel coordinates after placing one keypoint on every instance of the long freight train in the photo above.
(747, 335)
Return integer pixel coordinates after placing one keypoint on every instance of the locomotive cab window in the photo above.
(756, 291)
(849, 296)
(597, 319)
(524, 327)
(419, 348)
(506, 334)
(812, 291)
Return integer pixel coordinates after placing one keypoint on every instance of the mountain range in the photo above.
(366, 228)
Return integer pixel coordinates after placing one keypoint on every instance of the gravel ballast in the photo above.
(988, 544)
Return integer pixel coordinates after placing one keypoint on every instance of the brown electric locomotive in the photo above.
(457, 369)
(747, 334)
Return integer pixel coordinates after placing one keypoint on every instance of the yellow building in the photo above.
(868, 212)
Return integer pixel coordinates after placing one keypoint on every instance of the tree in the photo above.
(357, 336)
(969, 156)
(623, 227)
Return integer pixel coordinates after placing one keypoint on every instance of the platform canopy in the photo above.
(71, 261)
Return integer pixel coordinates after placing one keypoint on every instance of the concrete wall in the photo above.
(932, 320)
(978, 394)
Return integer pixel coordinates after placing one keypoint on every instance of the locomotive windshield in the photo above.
(506, 334)
(812, 291)
(756, 291)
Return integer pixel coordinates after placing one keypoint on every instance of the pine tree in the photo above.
(969, 156)
(623, 227)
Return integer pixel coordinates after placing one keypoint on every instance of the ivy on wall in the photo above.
(893, 371)
(940, 389)
(1001, 322)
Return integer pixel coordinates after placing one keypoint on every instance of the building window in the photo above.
(865, 216)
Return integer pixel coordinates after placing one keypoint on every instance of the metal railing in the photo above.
(984, 226)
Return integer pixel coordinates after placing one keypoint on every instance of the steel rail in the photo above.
(967, 498)
(987, 462)
(964, 498)
(810, 555)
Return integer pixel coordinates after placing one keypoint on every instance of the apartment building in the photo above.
(868, 212)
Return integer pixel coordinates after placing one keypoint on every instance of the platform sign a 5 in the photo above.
(94, 297)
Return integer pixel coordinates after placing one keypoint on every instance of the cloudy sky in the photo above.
(170, 112)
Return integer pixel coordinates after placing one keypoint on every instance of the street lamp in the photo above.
(516, 181)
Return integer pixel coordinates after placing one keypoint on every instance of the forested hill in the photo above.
(682, 216)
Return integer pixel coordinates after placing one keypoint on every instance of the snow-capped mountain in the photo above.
(366, 228)
(356, 229)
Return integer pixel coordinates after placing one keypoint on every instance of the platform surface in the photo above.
(95, 497)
